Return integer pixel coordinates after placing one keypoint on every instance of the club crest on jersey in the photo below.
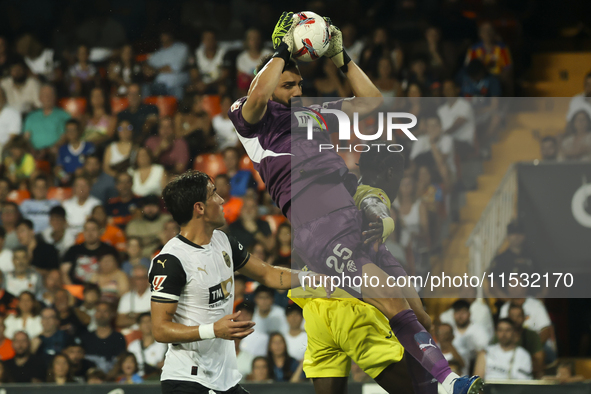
(227, 259)
(157, 282)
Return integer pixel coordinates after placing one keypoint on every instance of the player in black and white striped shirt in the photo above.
(192, 283)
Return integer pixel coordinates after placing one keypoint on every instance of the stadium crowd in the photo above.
(91, 131)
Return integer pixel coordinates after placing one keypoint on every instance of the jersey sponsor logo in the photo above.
(202, 269)
(220, 292)
(158, 281)
(390, 334)
(161, 262)
(227, 259)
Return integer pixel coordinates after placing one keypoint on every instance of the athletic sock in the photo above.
(419, 343)
(448, 383)
(422, 380)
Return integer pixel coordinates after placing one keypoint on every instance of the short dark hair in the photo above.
(58, 211)
(223, 176)
(293, 308)
(247, 306)
(27, 223)
(92, 220)
(515, 306)
(91, 287)
(142, 315)
(74, 122)
(506, 320)
(460, 304)
(290, 65)
(372, 161)
(264, 289)
(549, 138)
(181, 194)
(20, 249)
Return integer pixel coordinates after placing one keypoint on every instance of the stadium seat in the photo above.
(18, 196)
(75, 106)
(246, 164)
(142, 57)
(211, 104)
(166, 104)
(210, 163)
(59, 193)
(118, 104)
(274, 221)
(43, 166)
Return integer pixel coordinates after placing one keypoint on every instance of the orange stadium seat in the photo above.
(142, 57)
(166, 104)
(211, 104)
(59, 193)
(75, 106)
(18, 196)
(210, 163)
(118, 104)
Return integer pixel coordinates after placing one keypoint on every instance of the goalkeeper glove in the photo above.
(335, 51)
(282, 37)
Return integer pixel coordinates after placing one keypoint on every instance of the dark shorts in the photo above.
(333, 245)
(181, 386)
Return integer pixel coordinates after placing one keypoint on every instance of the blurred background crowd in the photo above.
(101, 104)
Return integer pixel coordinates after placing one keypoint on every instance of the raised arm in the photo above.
(381, 224)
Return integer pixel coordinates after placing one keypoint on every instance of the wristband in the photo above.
(206, 331)
(283, 52)
(341, 60)
(388, 224)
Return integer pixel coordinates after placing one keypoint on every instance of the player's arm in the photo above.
(262, 87)
(480, 365)
(381, 224)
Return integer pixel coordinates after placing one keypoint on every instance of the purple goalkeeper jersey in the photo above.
(287, 161)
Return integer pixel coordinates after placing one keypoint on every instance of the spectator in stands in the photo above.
(19, 164)
(330, 83)
(261, 371)
(243, 360)
(110, 234)
(102, 186)
(11, 215)
(8, 302)
(125, 370)
(143, 117)
(576, 144)
(480, 314)
(5, 188)
(95, 376)
(22, 90)
(79, 207)
(536, 319)
(6, 350)
(100, 29)
(60, 370)
(81, 74)
(91, 297)
(24, 277)
(148, 352)
(249, 59)
(45, 127)
(124, 207)
(256, 343)
(285, 367)
(282, 251)
(10, 120)
(209, 57)
(169, 151)
(134, 256)
(580, 102)
(168, 63)
(72, 320)
(445, 338)
(195, 127)
(37, 208)
(71, 156)
(5, 253)
(232, 204)
(41, 255)
(419, 74)
(516, 258)
(268, 317)
(52, 340)
(469, 338)
(58, 233)
(40, 60)
(149, 225)
(148, 177)
(27, 317)
(249, 229)
(477, 82)
(80, 365)
(5, 57)
(565, 373)
(504, 360)
(111, 280)
(240, 180)
(136, 301)
(99, 123)
(379, 47)
(296, 338)
(441, 55)
(80, 263)
(118, 155)
(103, 345)
(124, 71)
(385, 80)
(549, 149)
(457, 119)
(225, 133)
(52, 282)
(24, 367)
(170, 230)
(528, 339)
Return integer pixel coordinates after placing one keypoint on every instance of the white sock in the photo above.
(448, 383)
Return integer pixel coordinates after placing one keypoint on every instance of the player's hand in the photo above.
(229, 328)
(374, 233)
(283, 32)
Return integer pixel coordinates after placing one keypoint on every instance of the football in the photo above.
(311, 37)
